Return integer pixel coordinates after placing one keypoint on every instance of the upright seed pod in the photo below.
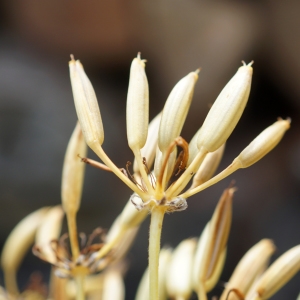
(248, 269)
(226, 110)
(86, 105)
(278, 274)
(73, 172)
(179, 276)
(175, 110)
(137, 109)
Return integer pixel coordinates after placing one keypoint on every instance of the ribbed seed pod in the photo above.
(143, 289)
(179, 275)
(263, 143)
(175, 110)
(256, 150)
(86, 105)
(149, 150)
(226, 111)
(278, 274)
(252, 264)
(48, 231)
(137, 109)
(17, 245)
(73, 172)
(213, 243)
(208, 167)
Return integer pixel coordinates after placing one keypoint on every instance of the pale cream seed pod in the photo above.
(73, 172)
(208, 167)
(263, 143)
(179, 275)
(149, 150)
(113, 285)
(256, 150)
(175, 110)
(137, 109)
(17, 245)
(143, 288)
(226, 110)
(48, 231)
(86, 105)
(252, 264)
(278, 274)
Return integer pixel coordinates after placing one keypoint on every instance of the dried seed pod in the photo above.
(208, 167)
(226, 110)
(263, 143)
(113, 285)
(17, 245)
(252, 264)
(86, 105)
(209, 256)
(175, 110)
(137, 109)
(256, 150)
(48, 231)
(278, 274)
(143, 289)
(149, 150)
(73, 172)
(179, 275)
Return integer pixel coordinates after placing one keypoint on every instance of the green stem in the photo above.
(80, 293)
(157, 216)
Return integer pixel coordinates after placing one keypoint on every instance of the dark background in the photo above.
(37, 114)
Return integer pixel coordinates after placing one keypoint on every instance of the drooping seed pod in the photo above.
(137, 109)
(250, 267)
(86, 105)
(175, 110)
(48, 231)
(226, 110)
(17, 245)
(73, 172)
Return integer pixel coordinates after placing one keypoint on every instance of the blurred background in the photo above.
(37, 114)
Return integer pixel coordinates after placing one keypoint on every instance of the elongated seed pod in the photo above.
(17, 245)
(179, 276)
(86, 105)
(73, 172)
(149, 150)
(208, 167)
(113, 285)
(278, 274)
(226, 111)
(263, 143)
(137, 109)
(216, 239)
(175, 110)
(48, 231)
(249, 268)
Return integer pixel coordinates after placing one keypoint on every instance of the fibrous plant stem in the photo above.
(157, 216)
